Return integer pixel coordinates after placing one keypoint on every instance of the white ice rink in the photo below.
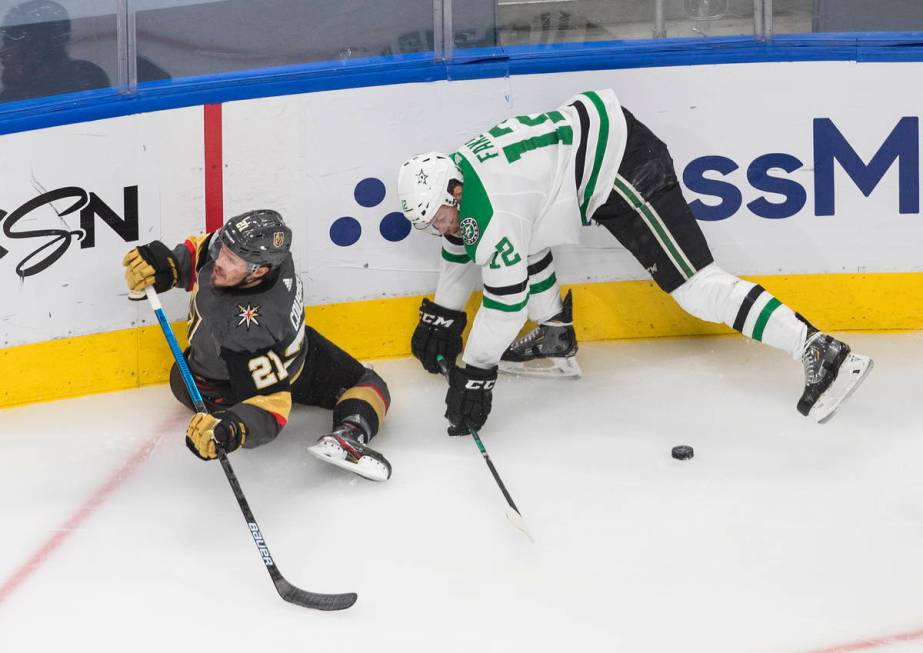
(780, 536)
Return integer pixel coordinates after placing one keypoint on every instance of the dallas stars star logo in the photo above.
(248, 315)
(422, 177)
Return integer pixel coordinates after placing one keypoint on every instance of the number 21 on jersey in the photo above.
(267, 370)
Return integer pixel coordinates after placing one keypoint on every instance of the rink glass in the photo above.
(140, 44)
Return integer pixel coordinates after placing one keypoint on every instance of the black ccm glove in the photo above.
(439, 332)
(150, 265)
(469, 398)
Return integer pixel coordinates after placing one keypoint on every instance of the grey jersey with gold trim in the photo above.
(244, 321)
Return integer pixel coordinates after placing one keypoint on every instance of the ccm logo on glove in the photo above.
(439, 333)
(475, 384)
(436, 320)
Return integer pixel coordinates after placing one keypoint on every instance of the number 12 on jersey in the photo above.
(482, 146)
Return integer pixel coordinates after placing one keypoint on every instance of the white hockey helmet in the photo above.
(423, 186)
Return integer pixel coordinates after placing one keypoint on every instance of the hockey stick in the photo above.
(513, 514)
(286, 590)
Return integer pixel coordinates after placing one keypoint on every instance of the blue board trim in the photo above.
(466, 65)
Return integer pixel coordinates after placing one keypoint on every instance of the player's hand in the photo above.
(206, 431)
(439, 332)
(469, 398)
(151, 265)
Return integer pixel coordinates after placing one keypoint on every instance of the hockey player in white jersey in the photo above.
(510, 194)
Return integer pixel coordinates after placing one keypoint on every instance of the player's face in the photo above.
(446, 220)
(229, 269)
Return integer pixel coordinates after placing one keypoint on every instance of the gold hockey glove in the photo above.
(206, 431)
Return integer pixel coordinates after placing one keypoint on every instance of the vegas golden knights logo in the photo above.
(278, 239)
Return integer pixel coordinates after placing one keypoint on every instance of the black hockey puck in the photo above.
(682, 452)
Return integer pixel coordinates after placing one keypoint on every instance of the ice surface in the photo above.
(780, 536)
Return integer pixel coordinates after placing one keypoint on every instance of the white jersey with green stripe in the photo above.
(530, 183)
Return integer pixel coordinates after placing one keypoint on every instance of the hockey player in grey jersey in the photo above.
(251, 352)
(510, 194)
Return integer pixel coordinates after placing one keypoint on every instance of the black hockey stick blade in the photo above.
(312, 600)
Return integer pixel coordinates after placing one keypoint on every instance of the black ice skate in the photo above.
(550, 349)
(345, 448)
(831, 374)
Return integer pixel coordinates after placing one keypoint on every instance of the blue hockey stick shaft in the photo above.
(191, 387)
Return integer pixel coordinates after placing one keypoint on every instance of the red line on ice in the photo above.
(124, 471)
(868, 644)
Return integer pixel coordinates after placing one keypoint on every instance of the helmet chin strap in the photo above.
(427, 228)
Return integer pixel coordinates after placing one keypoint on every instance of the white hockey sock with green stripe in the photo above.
(714, 295)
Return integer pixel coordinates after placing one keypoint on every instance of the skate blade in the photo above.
(560, 368)
(371, 472)
(851, 375)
